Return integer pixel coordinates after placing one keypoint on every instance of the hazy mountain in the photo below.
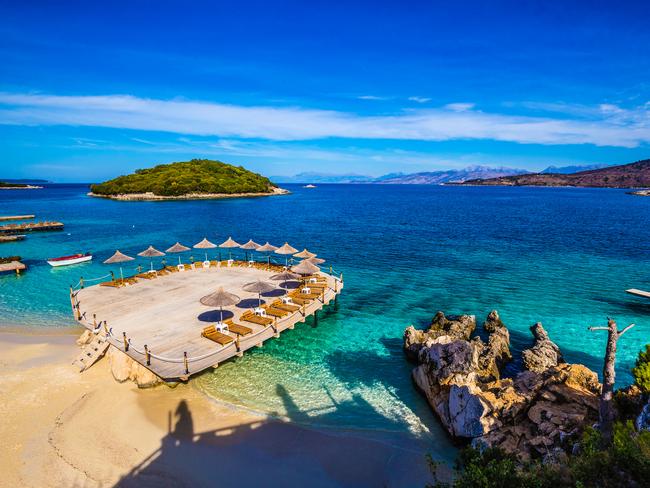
(422, 178)
(633, 175)
(564, 170)
(452, 175)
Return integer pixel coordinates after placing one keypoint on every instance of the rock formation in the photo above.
(544, 408)
(124, 368)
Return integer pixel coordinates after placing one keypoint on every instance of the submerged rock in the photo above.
(536, 413)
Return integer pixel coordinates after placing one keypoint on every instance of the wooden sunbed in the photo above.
(113, 284)
(213, 334)
(146, 276)
(300, 300)
(308, 296)
(171, 269)
(238, 329)
(285, 306)
(275, 312)
(256, 319)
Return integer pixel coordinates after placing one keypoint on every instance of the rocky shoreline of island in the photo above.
(540, 413)
(152, 197)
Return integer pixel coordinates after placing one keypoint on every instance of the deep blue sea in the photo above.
(561, 256)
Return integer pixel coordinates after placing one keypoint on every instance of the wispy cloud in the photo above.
(371, 97)
(419, 99)
(460, 107)
(621, 127)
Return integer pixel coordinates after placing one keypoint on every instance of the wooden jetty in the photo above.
(11, 238)
(159, 322)
(638, 293)
(30, 227)
(16, 217)
(16, 266)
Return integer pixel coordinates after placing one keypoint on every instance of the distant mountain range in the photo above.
(425, 177)
(564, 170)
(633, 175)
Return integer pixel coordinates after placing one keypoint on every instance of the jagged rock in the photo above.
(124, 368)
(544, 354)
(539, 412)
(643, 420)
(85, 338)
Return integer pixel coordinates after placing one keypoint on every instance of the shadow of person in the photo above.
(184, 427)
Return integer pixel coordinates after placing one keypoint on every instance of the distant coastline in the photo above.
(152, 197)
(21, 187)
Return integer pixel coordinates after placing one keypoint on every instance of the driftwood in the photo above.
(607, 413)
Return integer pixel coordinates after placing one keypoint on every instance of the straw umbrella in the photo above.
(251, 245)
(267, 248)
(315, 260)
(258, 287)
(286, 249)
(284, 277)
(220, 298)
(229, 244)
(304, 254)
(305, 268)
(150, 253)
(178, 247)
(204, 244)
(118, 257)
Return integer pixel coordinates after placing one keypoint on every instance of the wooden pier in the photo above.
(11, 238)
(638, 293)
(30, 227)
(16, 266)
(159, 322)
(16, 217)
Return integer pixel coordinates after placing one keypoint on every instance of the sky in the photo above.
(92, 90)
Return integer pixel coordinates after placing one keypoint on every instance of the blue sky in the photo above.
(89, 91)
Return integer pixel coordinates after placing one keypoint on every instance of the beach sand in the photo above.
(63, 428)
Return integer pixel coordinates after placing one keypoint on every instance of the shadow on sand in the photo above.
(272, 453)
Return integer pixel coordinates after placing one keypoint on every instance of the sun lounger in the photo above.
(238, 329)
(275, 312)
(256, 319)
(301, 300)
(113, 284)
(211, 333)
(146, 276)
(171, 269)
(285, 306)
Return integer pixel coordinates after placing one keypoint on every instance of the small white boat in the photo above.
(72, 259)
(309, 186)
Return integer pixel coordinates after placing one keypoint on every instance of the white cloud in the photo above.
(606, 127)
(460, 107)
(419, 99)
(371, 97)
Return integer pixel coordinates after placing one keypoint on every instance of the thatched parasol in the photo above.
(229, 244)
(286, 249)
(251, 245)
(151, 252)
(178, 247)
(284, 277)
(118, 257)
(304, 268)
(204, 244)
(316, 261)
(304, 254)
(267, 248)
(258, 287)
(220, 298)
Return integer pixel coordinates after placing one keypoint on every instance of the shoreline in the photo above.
(151, 197)
(99, 432)
(26, 187)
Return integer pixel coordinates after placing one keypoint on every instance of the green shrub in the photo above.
(641, 370)
(195, 176)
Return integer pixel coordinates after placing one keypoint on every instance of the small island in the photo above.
(187, 180)
(17, 186)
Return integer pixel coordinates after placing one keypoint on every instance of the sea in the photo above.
(560, 256)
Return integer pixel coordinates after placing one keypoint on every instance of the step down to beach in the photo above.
(91, 353)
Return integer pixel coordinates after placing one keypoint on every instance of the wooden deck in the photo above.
(16, 217)
(638, 293)
(16, 266)
(164, 313)
(30, 227)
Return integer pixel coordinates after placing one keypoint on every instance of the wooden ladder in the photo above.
(91, 353)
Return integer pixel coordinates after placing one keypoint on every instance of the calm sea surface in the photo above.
(560, 256)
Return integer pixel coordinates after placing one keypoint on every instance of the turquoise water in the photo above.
(560, 256)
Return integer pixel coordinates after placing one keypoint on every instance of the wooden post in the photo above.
(106, 329)
(147, 355)
(606, 407)
(341, 277)
(336, 286)
(126, 343)
(330, 269)
(94, 321)
(81, 281)
(187, 368)
(78, 311)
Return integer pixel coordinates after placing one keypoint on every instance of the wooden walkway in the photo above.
(29, 227)
(16, 217)
(165, 314)
(638, 293)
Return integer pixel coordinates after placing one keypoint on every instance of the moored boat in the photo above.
(72, 259)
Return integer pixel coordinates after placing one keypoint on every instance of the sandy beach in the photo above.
(63, 428)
